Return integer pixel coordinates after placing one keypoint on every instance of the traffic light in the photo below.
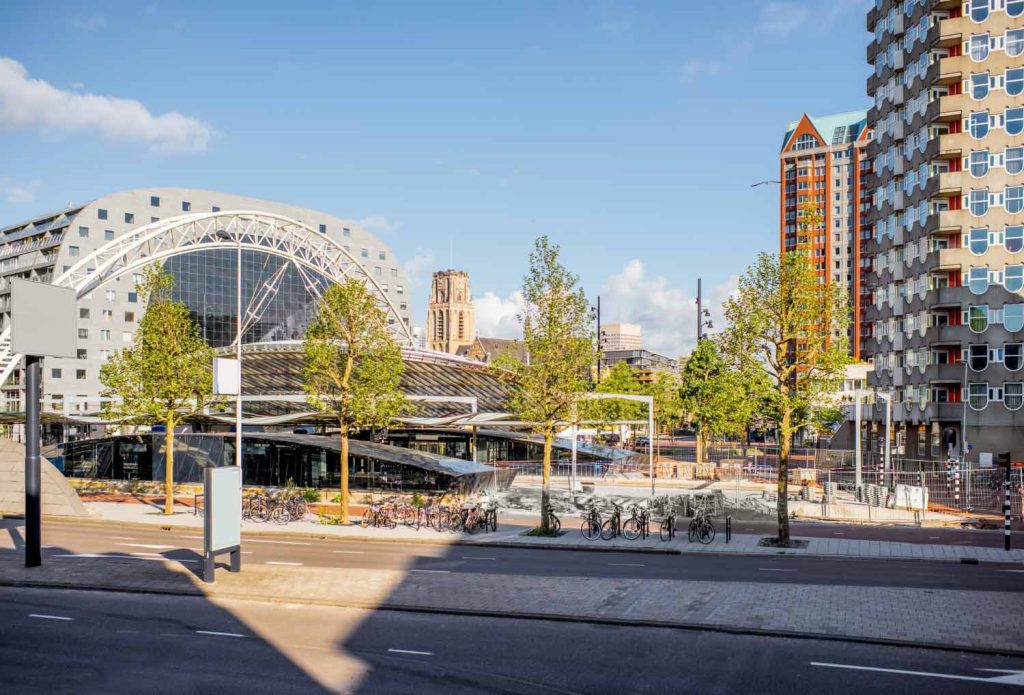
(1003, 459)
(949, 439)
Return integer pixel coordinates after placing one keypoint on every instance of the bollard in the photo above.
(728, 528)
(956, 487)
(1006, 511)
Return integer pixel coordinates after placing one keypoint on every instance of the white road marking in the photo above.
(49, 617)
(245, 552)
(289, 564)
(350, 552)
(148, 545)
(1017, 571)
(748, 529)
(198, 538)
(218, 634)
(1011, 677)
(253, 540)
(123, 538)
(624, 564)
(470, 557)
(47, 547)
(774, 569)
(838, 533)
(433, 571)
(410, 651)
(160, 558)
(934, 538)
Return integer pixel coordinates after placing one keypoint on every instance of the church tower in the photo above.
(450, 312)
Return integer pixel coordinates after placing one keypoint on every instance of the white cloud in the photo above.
(90, 23)
(379, 223)
(26, 103)
(781, 19)
(418, 269)
(498, 317)
(666, 314)
(18, 193)
(696, 68)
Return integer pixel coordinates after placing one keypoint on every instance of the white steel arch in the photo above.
(264, 232)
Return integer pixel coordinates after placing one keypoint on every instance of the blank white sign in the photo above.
(43, 319)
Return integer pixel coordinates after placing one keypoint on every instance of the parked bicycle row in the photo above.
(638, 525)
(468, 516)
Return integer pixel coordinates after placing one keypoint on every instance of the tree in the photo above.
(789, 326)
(353, 366)
(167, 373)
(547, 389)
(668, 404)
(712, 395)
(619, 378)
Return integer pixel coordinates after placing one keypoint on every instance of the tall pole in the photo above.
(650, 442)
(700, 313)
(599, 341)
(964, 396)
(33, 510)
(238, 347)
(888, 437)
(856, 441)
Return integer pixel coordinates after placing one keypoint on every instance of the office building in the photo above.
(946, 313)
(822, 166)
(620, 336)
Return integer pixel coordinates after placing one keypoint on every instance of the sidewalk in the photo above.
(513, 525)
(964, 620)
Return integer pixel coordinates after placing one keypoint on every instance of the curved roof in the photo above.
(275, 368)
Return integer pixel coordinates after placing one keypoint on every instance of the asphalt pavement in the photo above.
(69, 543)
(54, 641)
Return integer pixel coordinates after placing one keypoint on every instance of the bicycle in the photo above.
(378, 515)
(554, 523)
(491, 519)
(637, 525)
(701, 528)
(591, 527)
(612, 527)
(668, 528)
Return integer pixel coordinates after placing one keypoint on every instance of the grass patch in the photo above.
(773, 542)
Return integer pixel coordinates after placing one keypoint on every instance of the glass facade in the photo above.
(272, 289)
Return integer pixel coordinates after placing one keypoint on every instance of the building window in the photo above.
(55, 374)
(345, 231)
(979, 47)
(1013, 317)
(977, 318)
(382, 256)
(186, 206)
(400, 289)
(101, 214)
(1013, 395)
(1014, 159)
(1014, 199)
(980, 10)
(1013, 238)
(215, 209)
(1013, 278)
(394, 272)
(978, 241)
(108, 234)
(977, 357)
(154, 219)
(133, 297)
(83, 232)
(977, 396)
(323, 229)
(377, 271)
(83, 354)
(111, 295)
(83, 333)
(1013, 356)
(73, 251)
(1015, 81)
(79, 373)
(1014, 8)
(105, 335)
(365, 253)
(108, 315)
(977, 280)
(126, 337)
(978, 201)
(1014, 42)
(979, 85)
(977, 124)
(83, 313)
(978, 163)
(805, 142)
(1015, 121)
(129, 218)
(129, 317)
(154, 201)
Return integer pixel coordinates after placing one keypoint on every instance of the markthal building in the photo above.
(456, 426)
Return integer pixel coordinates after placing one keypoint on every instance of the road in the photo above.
(93, 642)
(81, 543)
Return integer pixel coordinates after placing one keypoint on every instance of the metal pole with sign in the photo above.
(42, 325)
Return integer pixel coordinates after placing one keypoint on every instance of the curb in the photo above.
(547, 617)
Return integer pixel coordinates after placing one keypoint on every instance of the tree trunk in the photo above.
(545, 494)
(782, 505)
(699, 454)
(169, 471)
(343, 497)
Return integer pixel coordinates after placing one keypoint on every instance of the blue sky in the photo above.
(629, 132)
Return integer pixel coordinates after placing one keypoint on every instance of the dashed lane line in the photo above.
(287, 564)
(432, 571)
(774, 569)
(214, 633)
(410, 651)
(49, 617)
(625, 564)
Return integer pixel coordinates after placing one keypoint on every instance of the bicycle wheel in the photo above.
(667, 529)
(609, 530)
(299, 510)
(555, 523)
(260, 510)
(693, 530)
(590, 529)
(707, 533)
(493, 520)
(279, 515)
(631, 529)
(472, 524)
(366, 518)
(412, 518)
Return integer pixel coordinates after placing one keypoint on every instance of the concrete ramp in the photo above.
(59, 498)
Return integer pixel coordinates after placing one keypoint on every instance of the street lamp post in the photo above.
(887, 466)
(223, 234)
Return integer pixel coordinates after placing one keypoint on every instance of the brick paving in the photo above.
(954, 618)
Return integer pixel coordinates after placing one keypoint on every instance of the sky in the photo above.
(628, 132)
